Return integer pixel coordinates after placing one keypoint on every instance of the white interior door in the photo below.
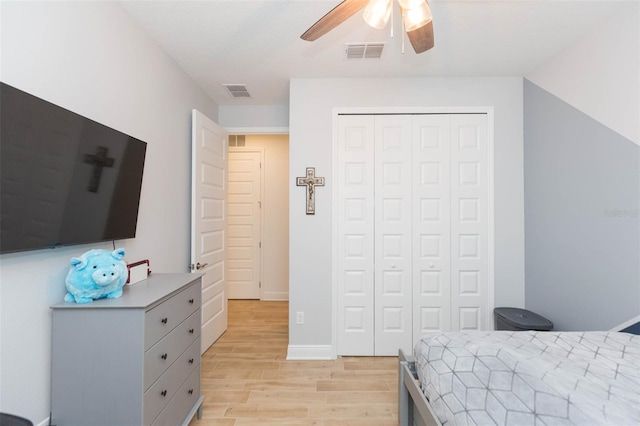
(431, 224)
(244, 224)
(392, 235)
(355, 222)
(413, 230)
(469, 223)
(208, 222)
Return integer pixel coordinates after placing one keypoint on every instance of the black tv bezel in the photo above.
(133, 223)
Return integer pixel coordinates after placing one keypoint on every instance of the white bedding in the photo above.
(531, 378)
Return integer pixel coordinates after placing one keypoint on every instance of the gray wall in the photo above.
(582, 195)
(311, 245)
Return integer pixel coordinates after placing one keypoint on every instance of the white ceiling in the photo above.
(258, 43)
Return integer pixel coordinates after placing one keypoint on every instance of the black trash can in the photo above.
(11, 420)
(516, 319)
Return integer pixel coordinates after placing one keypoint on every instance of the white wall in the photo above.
(275, 207)
(91, 58)
(255, 118)
(311, 135)
(600, 73)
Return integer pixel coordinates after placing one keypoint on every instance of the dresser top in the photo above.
(143, 294)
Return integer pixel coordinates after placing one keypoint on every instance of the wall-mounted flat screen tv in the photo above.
(64, 179)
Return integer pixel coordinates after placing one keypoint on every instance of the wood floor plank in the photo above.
(300, 374)
(226, 396)
(351, 385)
(267, 385)
(268, 411)
(247, 381)
(280, 422)
(357, 397)
(353, 411)
(286, 397)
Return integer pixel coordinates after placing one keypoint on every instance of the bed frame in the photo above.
(413, 407)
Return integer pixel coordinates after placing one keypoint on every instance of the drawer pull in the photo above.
(191, 330)
(163, 356)
(163, 393)
(191, 301)
(190, 391)
(164, 320)
(191, 361)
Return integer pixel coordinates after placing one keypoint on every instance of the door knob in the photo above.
(431, 265)
(393, 266)
(198, 266)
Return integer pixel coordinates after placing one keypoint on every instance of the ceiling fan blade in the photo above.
(335, 17)
(422, 38)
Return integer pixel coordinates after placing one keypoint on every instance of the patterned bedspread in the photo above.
(531, 378)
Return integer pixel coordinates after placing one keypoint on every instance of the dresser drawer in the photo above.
(164, 389)
(185, 399)
(160, 320)
(166, 351)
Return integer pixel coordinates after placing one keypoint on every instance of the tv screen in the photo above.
(64, 179)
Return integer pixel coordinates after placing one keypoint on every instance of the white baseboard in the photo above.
(626, 324)
(315, 352)
(275, 296)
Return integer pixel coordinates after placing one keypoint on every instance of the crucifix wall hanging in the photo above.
(310, 181)
(99, 160)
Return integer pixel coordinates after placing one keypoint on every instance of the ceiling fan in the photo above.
(416, 14)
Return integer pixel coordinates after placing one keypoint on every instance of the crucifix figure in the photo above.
(310, 181)
(99, 160)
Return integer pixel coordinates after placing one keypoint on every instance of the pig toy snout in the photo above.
(105, 276)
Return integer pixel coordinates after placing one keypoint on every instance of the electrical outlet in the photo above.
(300, 318)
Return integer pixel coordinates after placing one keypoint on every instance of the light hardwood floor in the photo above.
(246, 379)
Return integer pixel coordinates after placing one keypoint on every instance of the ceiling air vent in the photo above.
(237, 90)
(363, 50)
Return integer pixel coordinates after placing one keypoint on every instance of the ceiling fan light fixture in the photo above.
(410, 4)
(377, 13)
(417, 17)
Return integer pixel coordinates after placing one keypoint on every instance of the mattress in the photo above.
(531, 378)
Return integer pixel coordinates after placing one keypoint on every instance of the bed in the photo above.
(521, 378)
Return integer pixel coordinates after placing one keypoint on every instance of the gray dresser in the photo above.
(134, 360)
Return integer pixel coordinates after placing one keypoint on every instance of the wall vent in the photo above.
(237, 90)
(363, 50)
(237, 140)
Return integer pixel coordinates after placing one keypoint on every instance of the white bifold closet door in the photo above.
(412, 229)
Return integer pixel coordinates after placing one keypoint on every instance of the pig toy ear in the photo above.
(78, 263)
(118, 253)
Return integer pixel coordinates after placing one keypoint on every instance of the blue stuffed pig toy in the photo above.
(95, 275)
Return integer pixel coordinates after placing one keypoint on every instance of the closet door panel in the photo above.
(431, 225)
(469, 221)
(355, 243)
(392, 277)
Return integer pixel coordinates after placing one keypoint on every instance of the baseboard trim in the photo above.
(275, 296)
(312, 352)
